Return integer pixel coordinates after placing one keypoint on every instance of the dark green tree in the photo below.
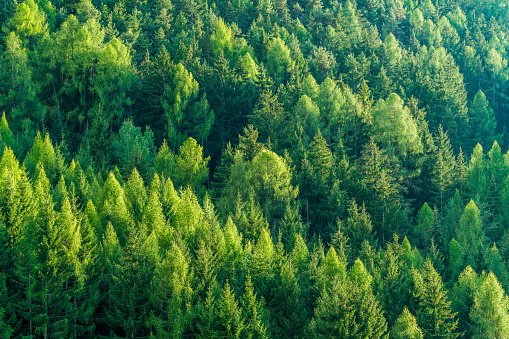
(134, 149)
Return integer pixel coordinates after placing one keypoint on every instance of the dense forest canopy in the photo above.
(254, 168)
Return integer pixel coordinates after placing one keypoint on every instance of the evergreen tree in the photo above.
(443, 168)
(269, 117)
(190, 167)
(406, 327)
(394, 126)
(482, 120)
(347, 308)
(254, 313)
(425, 229)
(134, 150)
(279, 61)
(462, 295)
(470, 234)
(490, 311)
(477, 181)
(230, 314)
(170, 291)
(433, 309)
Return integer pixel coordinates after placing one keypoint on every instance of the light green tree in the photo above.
(395, 127)
(406, 327)
(490, 311)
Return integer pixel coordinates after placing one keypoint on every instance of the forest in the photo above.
(254, 169)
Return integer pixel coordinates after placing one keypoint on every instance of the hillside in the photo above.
(254, 168)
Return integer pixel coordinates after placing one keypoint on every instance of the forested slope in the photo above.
(254, 168)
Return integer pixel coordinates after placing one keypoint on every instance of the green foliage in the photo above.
(134, 150)
(433, 309)
(269, 117)
(352, 314)
(443, 171)
(406, 327)
(19, 95)
(186, 110)
(279, 61)
(482, 120)
(490, 311)
(426, 224)
(395, 127)
(470, 234)
(28, 20)
(370, 121)
(462, 295)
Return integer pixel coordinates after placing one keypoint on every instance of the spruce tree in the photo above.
(406, 327)
(490, 311)
(433, 309)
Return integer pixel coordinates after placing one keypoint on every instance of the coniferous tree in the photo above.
(406, 327)
(254, 312)
(482, 120)
(490, 311)
(347, 308)
(443, 168)
(134, 150)
(394, 126)
(433, 309)
(470, 234)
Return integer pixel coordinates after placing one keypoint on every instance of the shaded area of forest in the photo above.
(254, 168)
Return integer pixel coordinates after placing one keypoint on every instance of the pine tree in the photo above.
(406, 327)
(495, 264)
(286, 303)
(425, 229)
(19, 95)
(6, 136)
(114, 208)
(190, 167)
(453, 211)
(433, 309)
(456, 258)
(130, 299)
(306, 115)
(321, 159)
(358, 225)
(347, 308)
(392, 277)
(18, 212)
(462, 296)
(279, 61)
(477, 181)
(136, 194)
(164, 161)
(233, 248)
(43, 151)
(330, 100)
(262, 264)
(230, 314)
(482, 120)
(170, 293)
(254, 313)
(394, 126)
(378, 181)
(134, 150)
(269, 117)
(443, 168)
(470, 234)
(490, 311)
(57, 285)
